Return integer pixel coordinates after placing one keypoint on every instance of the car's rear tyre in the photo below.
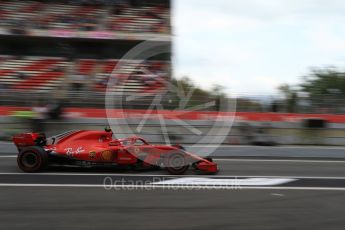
(32, 159)
(176, 164)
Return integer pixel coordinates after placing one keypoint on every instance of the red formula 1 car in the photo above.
(92, 148)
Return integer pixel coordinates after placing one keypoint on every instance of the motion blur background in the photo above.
(56, 58)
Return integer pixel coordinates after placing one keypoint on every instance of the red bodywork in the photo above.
(99, 147)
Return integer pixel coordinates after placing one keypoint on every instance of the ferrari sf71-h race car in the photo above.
(93, 148)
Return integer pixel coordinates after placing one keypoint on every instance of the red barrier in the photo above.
(185, 115)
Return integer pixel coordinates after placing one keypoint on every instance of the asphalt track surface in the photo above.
(246, 194)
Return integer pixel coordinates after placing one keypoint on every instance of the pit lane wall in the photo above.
(247, 128)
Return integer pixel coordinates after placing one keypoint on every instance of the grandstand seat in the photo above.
(44, 74)
(57, 16)
(31, 73)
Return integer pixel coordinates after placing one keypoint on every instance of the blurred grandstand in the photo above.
(57, 48)
(69, 18)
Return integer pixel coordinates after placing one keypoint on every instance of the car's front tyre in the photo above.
(176, 164)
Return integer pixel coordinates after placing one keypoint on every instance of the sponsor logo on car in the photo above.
(92, 154)
(107, 155)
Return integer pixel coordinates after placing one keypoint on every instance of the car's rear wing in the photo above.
(29, 139)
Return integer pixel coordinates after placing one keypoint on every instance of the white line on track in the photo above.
(169, 176)
(255, 160)
(280, 160)
(267, 147)
(174, 188)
